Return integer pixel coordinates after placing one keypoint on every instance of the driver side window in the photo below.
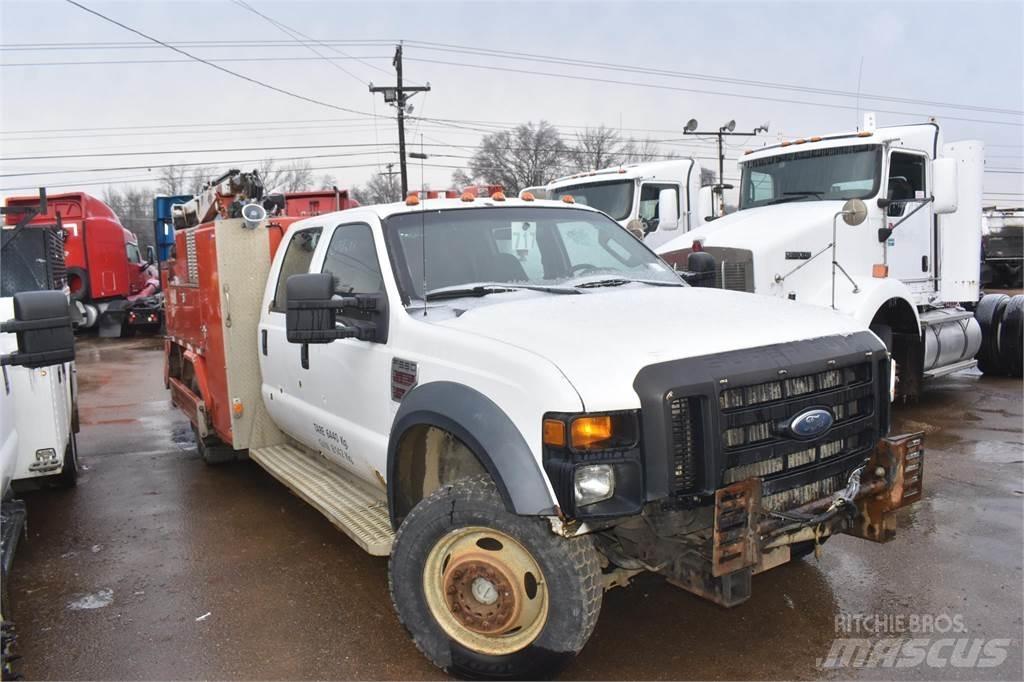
(296, 262)
(649, 209)
(906, 181)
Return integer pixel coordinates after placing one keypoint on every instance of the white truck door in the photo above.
(284, 382)
(648, 211)
(350, 378)
(909, 247)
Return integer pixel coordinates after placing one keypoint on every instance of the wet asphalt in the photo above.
(159, 567)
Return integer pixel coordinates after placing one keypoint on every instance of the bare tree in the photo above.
(599, 147)
(200, 176)
(134, 208)
(298, 176)
(462, 179)
(327, 181)
(642, 151)
(172, 181)
(527, 155)
(271, 174)
(381, 188)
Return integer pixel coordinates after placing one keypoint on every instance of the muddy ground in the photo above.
(160, 567)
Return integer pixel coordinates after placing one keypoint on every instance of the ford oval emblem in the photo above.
(811, 423)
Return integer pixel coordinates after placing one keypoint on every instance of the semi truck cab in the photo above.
(882, 224)
(657, 201)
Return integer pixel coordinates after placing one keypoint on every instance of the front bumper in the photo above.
(747, 540)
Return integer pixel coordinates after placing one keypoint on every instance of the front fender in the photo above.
(872, 294)
(487, 431)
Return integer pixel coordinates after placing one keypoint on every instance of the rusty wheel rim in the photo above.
(485, 590)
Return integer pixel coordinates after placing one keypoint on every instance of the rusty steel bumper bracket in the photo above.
(191, 404)
(898, 461)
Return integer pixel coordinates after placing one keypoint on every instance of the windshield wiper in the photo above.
(804, 193)
(619, 281)
(485, 288)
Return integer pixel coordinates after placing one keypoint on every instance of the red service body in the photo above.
(102, 257)
(305, 204)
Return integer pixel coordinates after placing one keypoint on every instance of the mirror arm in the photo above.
(40, 359)
(15, 326)
(889, 230)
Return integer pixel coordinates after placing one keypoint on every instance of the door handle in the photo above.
(305, 356)
(263, 340)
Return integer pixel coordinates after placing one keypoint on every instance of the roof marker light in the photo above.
(799, 140)
(816, 138)
(527, 196)
(498, 196)
(567, 198)
(413, 199)
(785, 143)
(865, 133)
(468, 196)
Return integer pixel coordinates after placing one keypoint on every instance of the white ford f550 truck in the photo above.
(882, 224)
(522, 422)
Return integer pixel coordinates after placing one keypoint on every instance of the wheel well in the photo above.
(427, 458)
(906, 349)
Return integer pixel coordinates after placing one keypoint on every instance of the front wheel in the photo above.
(489, 594)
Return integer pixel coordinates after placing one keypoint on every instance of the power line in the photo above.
(223, 60)
(657, 86)
(254, 81)
(504, 54)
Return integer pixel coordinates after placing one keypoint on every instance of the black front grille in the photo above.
(728, 426)
(685, 444)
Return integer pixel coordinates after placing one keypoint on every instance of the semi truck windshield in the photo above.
(614, 198)
(833, 173)
(543, 247)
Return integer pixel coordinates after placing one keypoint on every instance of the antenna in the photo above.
(860, 72)
(423, 226)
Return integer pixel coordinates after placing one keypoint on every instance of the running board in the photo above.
(347, 502)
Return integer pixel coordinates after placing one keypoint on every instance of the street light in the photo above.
(728, 129)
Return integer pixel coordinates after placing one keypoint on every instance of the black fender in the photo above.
(487, 431)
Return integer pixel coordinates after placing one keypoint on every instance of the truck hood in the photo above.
(599, 340)
(764, 228)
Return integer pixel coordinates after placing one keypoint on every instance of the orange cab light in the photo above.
(785, 143)
(880, 270)
(865, 133)
(590, 431)
(468, 196)
(567, 198)
(527, 196)
(498, 196)
(622, 170)
(816, 138)
(554, 433)
(799, 140)
(413, 199)
(748, 151)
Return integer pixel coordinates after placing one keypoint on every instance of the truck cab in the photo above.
(882, 224)
(522, 422)
(658, 200)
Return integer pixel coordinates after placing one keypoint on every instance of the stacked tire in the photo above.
(1001, 319)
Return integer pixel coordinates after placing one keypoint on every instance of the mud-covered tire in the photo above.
(989, 314)
(212, 450)
(571, 579)
(1011, 337)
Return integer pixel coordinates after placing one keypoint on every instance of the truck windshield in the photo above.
(524, 246)
(832, 173)
(614, 198)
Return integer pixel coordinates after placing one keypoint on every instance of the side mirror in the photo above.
(855, 212)
(668, 209)
(42, 322)
(312, 311)
(944, 185)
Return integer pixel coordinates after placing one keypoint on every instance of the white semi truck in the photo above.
(521, 424)
(882, 224)
(656, 200)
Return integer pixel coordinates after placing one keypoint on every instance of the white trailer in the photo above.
(904, 259)
(657, 200)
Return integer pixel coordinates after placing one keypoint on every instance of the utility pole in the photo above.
(398, 97)
(390, 174)
(728, 129)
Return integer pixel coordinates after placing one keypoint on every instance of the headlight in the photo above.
(594, 483)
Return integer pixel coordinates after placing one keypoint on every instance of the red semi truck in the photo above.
(109, 278)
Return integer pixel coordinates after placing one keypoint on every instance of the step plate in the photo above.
(349, 503)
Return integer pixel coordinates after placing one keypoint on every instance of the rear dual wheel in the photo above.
(1001, 319)
(489, 594)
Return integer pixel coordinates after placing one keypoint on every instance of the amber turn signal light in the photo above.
(880, 270)
(588, 432)
(554, 433)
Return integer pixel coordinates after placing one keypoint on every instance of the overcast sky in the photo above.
(933, 55)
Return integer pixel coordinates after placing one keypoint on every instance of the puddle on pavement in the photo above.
(96, 600)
